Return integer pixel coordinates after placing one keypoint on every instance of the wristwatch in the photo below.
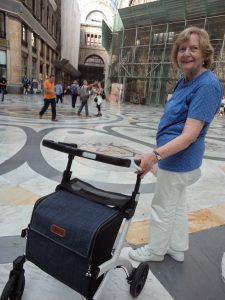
(157, 155)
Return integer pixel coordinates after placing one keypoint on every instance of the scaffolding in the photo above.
(141, 49)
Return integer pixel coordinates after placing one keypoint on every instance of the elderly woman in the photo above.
(180, 145)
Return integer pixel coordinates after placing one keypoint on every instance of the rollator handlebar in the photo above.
(73, 150)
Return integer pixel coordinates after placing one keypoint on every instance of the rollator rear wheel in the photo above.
(14, 287)
(138, 279)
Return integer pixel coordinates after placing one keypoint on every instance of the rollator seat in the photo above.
(92, 193)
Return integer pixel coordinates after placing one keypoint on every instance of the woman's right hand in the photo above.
(148, 160)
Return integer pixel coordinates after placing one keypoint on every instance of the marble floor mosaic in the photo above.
(28, 171)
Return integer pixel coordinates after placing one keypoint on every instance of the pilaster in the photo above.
(13, 55)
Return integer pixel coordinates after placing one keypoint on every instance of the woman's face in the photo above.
(190, 58)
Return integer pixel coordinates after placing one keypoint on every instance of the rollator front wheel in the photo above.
(20, 286)
(138, 279)
(14, 287)
(8, 292)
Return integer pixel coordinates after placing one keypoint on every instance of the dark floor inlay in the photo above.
(200, 276)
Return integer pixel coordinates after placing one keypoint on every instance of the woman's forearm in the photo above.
(190, 133)
(176, 145)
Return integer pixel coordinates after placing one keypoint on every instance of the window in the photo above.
(41, 68)
(47, 70)
(50, 23)
(56, 29)
(42, 11)
(33, 6)
(42, 48)
(52, 57)
(47, 18)
(94, 60)
(93, 40)
(53, 26)
(87, 39)
(47, 52)
(24, 35)
(2, 25)
(34, 68)
(34, 41)
(2, 57)
(24, 65)
(99, 40)
(3, 71)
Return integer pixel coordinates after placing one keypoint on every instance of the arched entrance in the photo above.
(93, 69)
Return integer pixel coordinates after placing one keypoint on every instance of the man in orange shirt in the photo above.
(49, 97)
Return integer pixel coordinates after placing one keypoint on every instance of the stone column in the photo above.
(50, 61)
(38, 58)
(44, 62)
(13, 55)
(29, 58)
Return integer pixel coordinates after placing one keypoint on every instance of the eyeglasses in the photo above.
(192, 49)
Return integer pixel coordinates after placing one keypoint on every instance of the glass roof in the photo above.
(164, 11)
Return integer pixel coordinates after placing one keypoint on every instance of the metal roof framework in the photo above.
(141, 50)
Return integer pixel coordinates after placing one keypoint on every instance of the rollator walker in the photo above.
(76, 233)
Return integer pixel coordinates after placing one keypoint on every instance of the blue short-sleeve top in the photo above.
(198, 99)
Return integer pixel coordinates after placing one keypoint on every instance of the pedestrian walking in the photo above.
(75, 91)
(25, 82)
(97, 91)
(34, 85)
(3, 83)
(85, 92)
(49, 98)
(59, 92)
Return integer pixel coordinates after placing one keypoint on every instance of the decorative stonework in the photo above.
(93, 28)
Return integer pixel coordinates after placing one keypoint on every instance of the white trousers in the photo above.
(169, 217)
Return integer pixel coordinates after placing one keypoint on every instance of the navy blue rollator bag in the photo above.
(69, 236)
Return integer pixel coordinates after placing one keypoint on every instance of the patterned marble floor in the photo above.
(28, 171)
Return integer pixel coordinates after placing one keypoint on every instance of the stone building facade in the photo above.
(29, 39)
(93, 58)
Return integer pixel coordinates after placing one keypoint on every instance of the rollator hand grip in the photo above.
(70, 149)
